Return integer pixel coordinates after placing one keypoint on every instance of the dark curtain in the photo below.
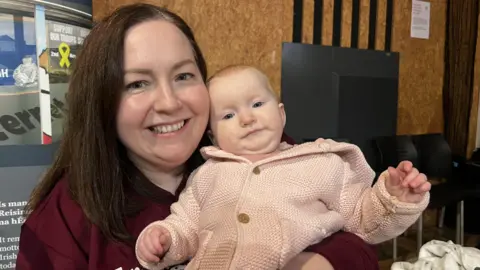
(461, 36)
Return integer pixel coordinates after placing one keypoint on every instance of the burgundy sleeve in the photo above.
(346, 251)
(287, 139)
(48, 238)
(34, 254)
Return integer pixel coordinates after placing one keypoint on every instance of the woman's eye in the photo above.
(137, 85)
(257, 104)
(184, 76)
(228, 116)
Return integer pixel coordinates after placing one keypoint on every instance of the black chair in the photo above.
(393, 149)
(431, 155)
(436, 161)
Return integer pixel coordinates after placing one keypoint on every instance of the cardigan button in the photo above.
(243, 218)
(256, 170)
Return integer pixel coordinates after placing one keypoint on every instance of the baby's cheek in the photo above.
(227, 140)
(226, 136)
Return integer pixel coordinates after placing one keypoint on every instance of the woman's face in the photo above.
(164, 108)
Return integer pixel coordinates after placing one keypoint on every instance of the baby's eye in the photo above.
(257, 104)
(228, 116)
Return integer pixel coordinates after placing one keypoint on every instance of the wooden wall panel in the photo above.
(421, 61)
(473, 128)
(346, 24)
(381, 25)
(421, 70)
(230, 32)
(327, 24)
(364, 19)
(307, 25)
(251, 32)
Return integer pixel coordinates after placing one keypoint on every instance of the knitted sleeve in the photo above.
(370, 212)
(182, 224)
(379, 217)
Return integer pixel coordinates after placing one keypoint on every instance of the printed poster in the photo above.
(22, 78)
(63, 42)
(420, 25)
(21, 167)
(19, 103)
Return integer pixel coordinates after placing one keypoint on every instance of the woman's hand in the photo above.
(308, 261)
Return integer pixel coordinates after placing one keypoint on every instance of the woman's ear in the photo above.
(212, 138)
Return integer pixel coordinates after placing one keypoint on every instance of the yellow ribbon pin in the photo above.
(64, 51)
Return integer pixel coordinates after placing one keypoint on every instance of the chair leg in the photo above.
(441, 217)
(419, 233)
(395, 249)
(462, 224)
(459, 230)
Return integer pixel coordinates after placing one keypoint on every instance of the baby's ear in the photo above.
(281, 107)
(212, 138)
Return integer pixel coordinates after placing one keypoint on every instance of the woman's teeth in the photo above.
(162, 129)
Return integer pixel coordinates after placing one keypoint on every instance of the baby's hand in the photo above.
(406, 183)
(153, 244)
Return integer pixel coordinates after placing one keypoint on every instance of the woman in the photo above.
(138, 110)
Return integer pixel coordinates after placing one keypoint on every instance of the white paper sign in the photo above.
(420, 25)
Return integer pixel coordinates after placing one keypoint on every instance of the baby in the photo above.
(256, 203)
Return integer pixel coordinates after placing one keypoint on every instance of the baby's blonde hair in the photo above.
(232, 69)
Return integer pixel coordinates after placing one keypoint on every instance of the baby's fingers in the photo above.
(394, 178)
(145, 253)
(419, 180)
(158, 245)
(164, 240)
(405, 166)
(155, 242)
(425, 187)
(410, 177)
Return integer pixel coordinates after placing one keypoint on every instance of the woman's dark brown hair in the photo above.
(90, 157)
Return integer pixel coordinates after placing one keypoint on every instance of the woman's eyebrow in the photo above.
(183, 63)
(139, 71)
(146, 71)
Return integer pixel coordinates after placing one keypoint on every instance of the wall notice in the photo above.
(420, 25)
(64, 41)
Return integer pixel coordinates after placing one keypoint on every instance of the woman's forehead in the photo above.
(155, 42)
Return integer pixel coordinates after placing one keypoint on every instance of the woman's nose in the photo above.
(166, 100)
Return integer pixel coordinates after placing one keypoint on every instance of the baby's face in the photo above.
(245, 116)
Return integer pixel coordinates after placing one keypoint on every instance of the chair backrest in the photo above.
(435, 155)
(391, 150)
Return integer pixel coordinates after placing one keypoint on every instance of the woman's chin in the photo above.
(173, 155)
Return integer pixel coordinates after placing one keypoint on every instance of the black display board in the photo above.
(335, 92)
